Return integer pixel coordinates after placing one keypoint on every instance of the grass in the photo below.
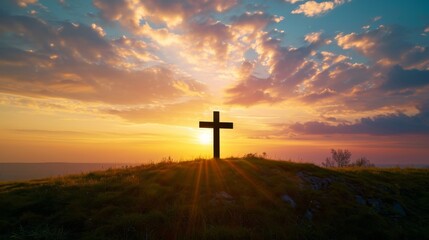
(237, 198)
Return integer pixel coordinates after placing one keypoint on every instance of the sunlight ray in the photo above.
(257, 186)
(195, 203)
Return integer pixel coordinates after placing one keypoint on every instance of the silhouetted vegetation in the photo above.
(342, 158)
(362, 162)
(236, 198)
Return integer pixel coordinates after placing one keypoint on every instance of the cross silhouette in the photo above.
(216, 125)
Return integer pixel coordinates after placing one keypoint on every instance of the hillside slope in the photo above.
(246, 198)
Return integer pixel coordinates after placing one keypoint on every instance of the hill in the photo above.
(246, 198)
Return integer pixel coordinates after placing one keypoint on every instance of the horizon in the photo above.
(97, 82)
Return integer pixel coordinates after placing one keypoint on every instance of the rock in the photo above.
(286, 198)
(375, 203)
(308, 215)
(398, 209)
(317, 183)
(360, 200)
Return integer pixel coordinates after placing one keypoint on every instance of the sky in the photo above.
(127, 81)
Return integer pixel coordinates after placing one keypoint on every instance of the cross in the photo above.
(216, 125)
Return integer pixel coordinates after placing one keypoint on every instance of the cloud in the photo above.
(192, 30)
(313, 37)
(343, 76)
(313, 8)
(387, 45)
(318, 96)
(327, 82)
(399, 79)
(210, 39)
(25, 3)
(287, 68)
(170, 13)
(190, 26)
(391, 124)
(75, 61)
(293, 1)
(184, 24)
(180, 113)
(252, 90)
(255, 20)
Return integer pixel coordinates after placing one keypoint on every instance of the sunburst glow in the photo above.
(204, 138)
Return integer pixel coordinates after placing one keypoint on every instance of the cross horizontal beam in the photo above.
(228, 125)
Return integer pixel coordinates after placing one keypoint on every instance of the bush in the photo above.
(362, 162)
(341, 158)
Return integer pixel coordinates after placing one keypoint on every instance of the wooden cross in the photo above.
(216, 125)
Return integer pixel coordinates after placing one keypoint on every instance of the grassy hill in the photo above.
(246, 198)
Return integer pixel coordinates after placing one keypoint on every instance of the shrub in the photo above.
(341, 158)
(362, 162)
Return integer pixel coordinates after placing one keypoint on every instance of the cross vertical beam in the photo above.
(216, 125)
(216, 136)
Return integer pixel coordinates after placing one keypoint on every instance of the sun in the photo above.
(204, 138)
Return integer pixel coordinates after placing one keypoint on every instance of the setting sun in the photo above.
(204, 138)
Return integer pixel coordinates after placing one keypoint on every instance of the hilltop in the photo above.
(237, 198)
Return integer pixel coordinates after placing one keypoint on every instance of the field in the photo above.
(236, 198)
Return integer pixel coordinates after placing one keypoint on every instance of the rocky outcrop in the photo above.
(317, 183)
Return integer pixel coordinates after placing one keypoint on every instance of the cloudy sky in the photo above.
(128, 80)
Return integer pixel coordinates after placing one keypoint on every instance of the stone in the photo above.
(308, 215)
(317, 183)
(398, 209)
(286, 198)
(360, 200)
(375, 203)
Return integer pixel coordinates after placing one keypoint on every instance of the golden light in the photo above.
(204, 138)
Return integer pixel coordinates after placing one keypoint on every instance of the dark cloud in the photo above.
(391, 124)
(399, 78)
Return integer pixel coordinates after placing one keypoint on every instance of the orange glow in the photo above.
(205, 138)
